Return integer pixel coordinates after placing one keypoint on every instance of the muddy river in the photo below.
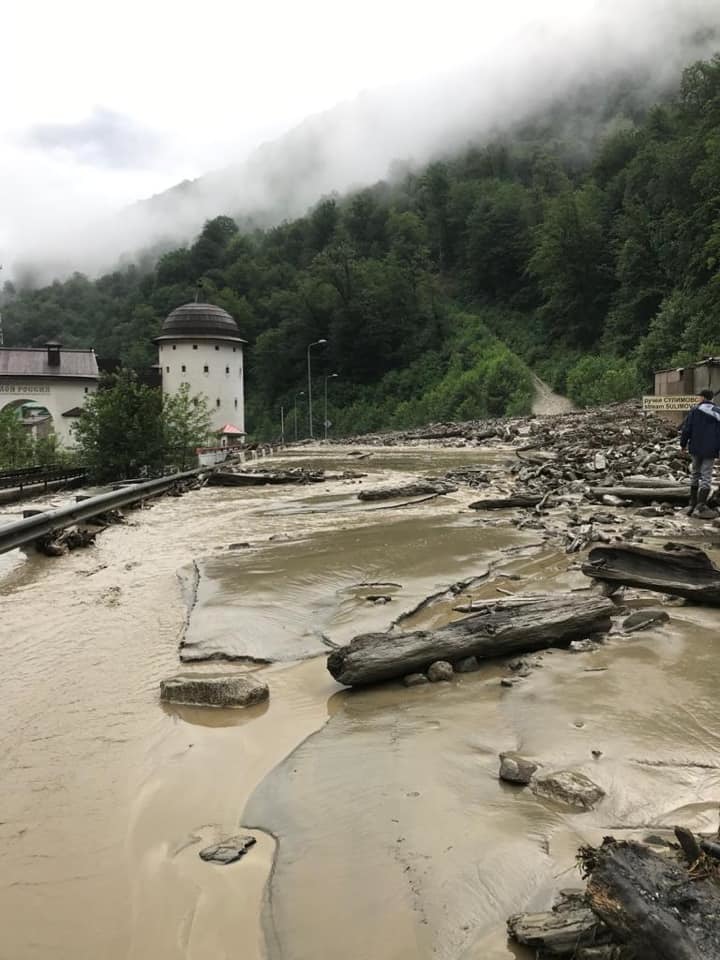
(383, 831)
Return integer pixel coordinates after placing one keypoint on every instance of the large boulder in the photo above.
(213, 690)
(440, 671)
(569, 787)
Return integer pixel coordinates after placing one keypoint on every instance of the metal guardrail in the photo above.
(29, 530)
(34, 476)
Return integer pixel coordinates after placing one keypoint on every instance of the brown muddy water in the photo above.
(383, 832)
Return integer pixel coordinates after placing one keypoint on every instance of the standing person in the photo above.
(700, 435)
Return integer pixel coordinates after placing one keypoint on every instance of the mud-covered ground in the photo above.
(383, 830)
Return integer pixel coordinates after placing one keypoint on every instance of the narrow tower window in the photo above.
(217, 402)
(206, 369)
(183, 368)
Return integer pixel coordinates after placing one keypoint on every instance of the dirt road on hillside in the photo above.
(547, 403)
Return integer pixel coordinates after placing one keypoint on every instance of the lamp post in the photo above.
(301, 394)
(330, 376)
(282, 426)
(315, 343)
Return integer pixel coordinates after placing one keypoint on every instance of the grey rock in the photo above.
(440, 671)
(569, 787)
(208, 690)
(518, 664)
(415, 679)
(642, 619)
(228, 851)
(508, 682)
(467, 665)
(582, 646)
(516, 769)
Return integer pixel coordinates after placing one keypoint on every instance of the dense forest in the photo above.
(591, 263)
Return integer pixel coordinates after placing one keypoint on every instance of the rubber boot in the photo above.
(693, 501)
(702, 510)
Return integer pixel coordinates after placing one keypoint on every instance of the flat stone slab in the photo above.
(225, 690)
(569, 787)
(228, 851)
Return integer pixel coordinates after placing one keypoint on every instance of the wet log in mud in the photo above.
(417, 489)
(500, 503)
(678, 493)
(562, 931)
(264, 478)
(652, 903)
(678, 569)
(502, 628)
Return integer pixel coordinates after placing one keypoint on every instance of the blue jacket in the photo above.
(701, 431)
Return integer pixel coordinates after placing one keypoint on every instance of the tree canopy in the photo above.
(438, 290)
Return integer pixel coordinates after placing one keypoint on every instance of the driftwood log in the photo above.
(499, 503)
(264, 478)
(642, 494)
(679, 570)
(652, 903)
(560, 932)
(417, 489)
(502, 628)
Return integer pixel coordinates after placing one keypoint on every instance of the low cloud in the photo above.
(103, 139)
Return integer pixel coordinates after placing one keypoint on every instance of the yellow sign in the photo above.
(679, 403)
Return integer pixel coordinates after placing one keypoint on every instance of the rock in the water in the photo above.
(415, 679)
(467, 665)
(568, 787)
(207, 690)
(228, 851)
(508, 682)
(441, 670)
(583, 646)
(516, 769)
(641, 619)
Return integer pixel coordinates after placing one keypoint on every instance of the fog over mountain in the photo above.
(515, 76)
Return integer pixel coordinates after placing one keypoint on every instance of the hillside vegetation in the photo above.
(592, 261)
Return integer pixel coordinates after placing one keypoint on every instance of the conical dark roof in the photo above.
(199, 320)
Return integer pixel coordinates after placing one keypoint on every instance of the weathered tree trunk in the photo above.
(499, 503)
(503, 628)
(417, 489)
(666, 494)
(560, 931)
(679, 570)
(651, 903)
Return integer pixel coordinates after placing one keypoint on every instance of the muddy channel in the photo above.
(383, 831)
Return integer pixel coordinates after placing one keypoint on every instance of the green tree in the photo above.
(186, 426)
(16, 448)
(120, 433)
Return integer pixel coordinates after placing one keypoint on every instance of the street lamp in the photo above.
(315, 343)
(330, 376)
(301, 394)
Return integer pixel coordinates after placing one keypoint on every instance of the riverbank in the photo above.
(382, 827)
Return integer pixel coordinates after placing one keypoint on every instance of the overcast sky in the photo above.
(102, 104)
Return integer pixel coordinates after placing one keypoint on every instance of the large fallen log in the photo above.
(264, 478)
(678, 569)
(561, 931)
(664, 494)
(502, 628)
(652, 903)
(500, 503)
(418, 488)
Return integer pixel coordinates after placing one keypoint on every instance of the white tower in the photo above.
(200, 345)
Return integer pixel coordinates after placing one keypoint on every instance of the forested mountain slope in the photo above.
(590, 253)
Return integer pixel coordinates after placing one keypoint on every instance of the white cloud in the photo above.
(104, 104)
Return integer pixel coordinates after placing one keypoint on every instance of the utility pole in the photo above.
(282, 426)
(2, 340)
(315, 343)
(301, 394)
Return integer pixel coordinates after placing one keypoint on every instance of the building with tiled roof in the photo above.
(47, 385)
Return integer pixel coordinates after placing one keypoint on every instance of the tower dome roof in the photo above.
(193, 321)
